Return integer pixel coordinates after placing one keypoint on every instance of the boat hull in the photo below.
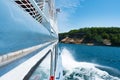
(19, 30)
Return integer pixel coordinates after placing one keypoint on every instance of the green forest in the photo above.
(95, 35)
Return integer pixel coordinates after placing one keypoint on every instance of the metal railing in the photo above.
(27, 65)
(9, 57)
(36, 10)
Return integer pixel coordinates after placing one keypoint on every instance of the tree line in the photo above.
(95, 34)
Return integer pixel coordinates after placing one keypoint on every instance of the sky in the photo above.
(76, 14)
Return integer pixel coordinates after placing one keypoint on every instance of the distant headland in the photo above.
(108, 36)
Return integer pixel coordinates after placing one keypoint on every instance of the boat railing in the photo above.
(40, 11)
(32, 63)
(35, 5)
(9, 57)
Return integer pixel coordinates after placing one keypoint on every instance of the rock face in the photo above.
(107, 42)
(72, 40)
(81, 41)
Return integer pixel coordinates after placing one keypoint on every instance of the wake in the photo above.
(74, 70)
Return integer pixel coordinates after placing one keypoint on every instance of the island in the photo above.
(108, 36)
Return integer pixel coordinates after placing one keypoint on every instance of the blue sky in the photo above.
(77, 14)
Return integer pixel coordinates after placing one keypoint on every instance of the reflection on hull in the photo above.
(28, 31)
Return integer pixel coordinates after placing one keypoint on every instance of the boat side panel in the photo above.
(18, 30)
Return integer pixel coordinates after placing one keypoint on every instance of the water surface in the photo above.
(106, 58)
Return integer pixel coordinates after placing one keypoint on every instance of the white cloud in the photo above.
(68, 3)
(68, 7)
(63, 21)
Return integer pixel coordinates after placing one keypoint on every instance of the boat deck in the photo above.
(24, 64)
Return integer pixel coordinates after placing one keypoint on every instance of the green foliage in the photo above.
(95, 34)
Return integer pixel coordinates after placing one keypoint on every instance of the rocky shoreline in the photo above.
(68, 40)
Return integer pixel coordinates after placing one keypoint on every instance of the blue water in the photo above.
(101, 55)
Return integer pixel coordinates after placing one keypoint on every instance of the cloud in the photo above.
(63, 21)
(68, 8)
(68, 3)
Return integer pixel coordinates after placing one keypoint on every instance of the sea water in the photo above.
(82, 62)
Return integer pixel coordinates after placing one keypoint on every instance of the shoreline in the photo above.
(100, 36)
(91, 45)
(105, 42)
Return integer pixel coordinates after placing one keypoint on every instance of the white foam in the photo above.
(69, 62)
(81, 70)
